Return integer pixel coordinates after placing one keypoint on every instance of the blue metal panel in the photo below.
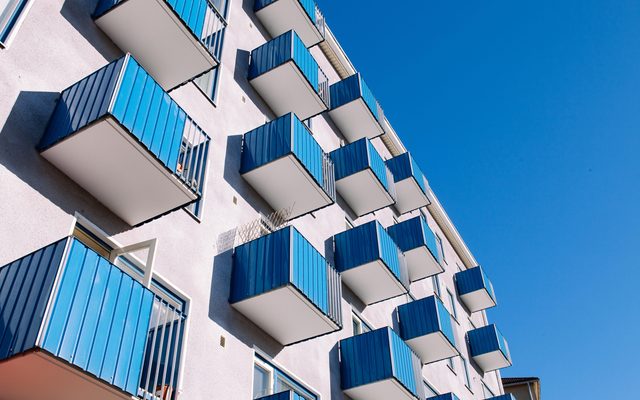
(5, 30)
(99, 319)
(425, 316)
(367, 243)
(379, 355)
(507, 396)
(288, 395)
(404, 167)
(486, 340)
(473, 279)
(280, 50)
(25, 289)
(358, 156)
(308, 5)
(414, 233)
(351, 89)
(447, 396)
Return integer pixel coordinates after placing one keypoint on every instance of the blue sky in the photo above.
(525, 117)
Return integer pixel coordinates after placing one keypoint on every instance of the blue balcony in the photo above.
(475, 289)
(174, 40)
(288, 78)
(447, 396)
(488, 348)
(378, 365)
(411, 185)
(286, 395)
(73, 326)
(507, 396)
(285, 286)
(362, 178)
(354, 109)
(283, 162)
(418, 243)
(302, 16)
(121, 137)
(425, 325)
(370, 263)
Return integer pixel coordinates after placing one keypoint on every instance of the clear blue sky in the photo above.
(525, 117)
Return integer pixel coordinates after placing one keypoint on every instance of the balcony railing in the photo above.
(425, 325)
(283, 162)
(121, 137)
(507, 396)
(370, 263)
(411, 185)
(446, 396)
(286, 287)
(418, 243)
(286, 395)
(302, 16)
(475, 289)
(288, 78)
(378, 364)
(90, 329)
(362, 178)
(488, 348)
(355, 110)
(178, 41)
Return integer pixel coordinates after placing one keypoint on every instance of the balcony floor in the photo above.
(356, 121)
(478, 300)
(285, 183)
(382, 390)
(112, 165)
(163, 44)
(286, 315)
(432, 347)
(37, 375)
(421, 264)
(363, 192)
(409, 196)
(284, 15)
(492, 361)
(286, 89)
(373, 282)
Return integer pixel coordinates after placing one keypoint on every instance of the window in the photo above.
(359, 326)
(440, 248)
(10, 13)
(268, 379)
(429, 390)
(348, 223)
(452, 305)
(208, 83)
(465, 372)
(436, 285)
(451, 364)
(486, 391)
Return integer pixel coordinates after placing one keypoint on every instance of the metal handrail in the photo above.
(213, 31)
(329, 175)
(192, 160)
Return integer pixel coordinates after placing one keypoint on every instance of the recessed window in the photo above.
(359, 326)
(465, 372)
(441, 248)
(436, 285)
(429, 390)
(10, 13)
(452, 305)
(268, 379)
(486, 391)
(452, 365)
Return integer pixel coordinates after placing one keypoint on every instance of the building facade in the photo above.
(523, 388)
(204, 199)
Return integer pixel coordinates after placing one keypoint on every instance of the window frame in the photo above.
(440, 245)
(18, 15)
(274, 371)
(363, 325)
(466, 375)
(452, 305)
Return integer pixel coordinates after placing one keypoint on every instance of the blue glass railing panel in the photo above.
(446, 396)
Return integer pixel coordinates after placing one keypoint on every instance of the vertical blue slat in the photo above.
(350, 89)
(424, 316)
(486, 340)
(309, 7)
(403, 363)
(405, 167)
(473, 279)
(447, 396)
(310, 272)
(358, 156)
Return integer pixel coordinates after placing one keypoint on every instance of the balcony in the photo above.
(370, 263)
(74, 327)
(507, 396)
(288, 78)
(362, 178)
(123, 139)
(301, 16)
(488, 348)
(425, 325)
(475, 289)
(174, 40)
(283, 162)
(285, 286)
(447, 396)
(287, 395)
(411, 185)
(418, 243)
(378, 365)
(354, 110)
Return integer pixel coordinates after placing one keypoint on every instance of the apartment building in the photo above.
(204, 200)
(523, 388)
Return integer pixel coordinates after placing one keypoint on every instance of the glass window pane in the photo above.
(261, 384)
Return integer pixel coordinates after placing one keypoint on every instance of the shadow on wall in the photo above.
(221, 312)
(334, 367)
(19, 137)
(240, 75)
(79, 15)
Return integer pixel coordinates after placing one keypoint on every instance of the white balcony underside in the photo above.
(284, 15)
(421, 264)
(356, 121)
(285, 183)
(477, 300)
(363, 192)
(38, 376)
(110, 164)
(373, 282)
(410, 196)
(286, 315)
(158, 39)
(492, 361)
(381, 390)
(286, 89)
(432, 347)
